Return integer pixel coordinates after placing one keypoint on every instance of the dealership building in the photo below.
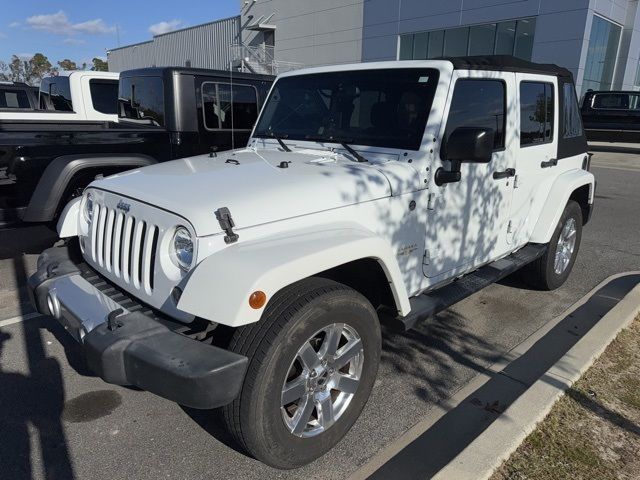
(598, 40)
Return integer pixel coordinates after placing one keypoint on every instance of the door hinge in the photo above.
(226, 223)
(515, 181)
(431, 200)
(509, 227)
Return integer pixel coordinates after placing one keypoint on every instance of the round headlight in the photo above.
(88, 208)
(182, 249)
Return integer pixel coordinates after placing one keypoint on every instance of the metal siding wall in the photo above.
(207, 46)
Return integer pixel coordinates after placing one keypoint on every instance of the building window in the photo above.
(514, 37)
(536, 113)
(478, 103)
(601, 54)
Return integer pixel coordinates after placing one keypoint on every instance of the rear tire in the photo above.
(552, 269)
(293, 375)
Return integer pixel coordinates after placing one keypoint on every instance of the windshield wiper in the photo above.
(358, 157)
(344, 142)
(278, 137)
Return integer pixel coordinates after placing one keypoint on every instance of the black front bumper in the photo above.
(135, 347)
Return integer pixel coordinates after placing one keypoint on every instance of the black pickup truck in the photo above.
(612, 116)
(164, 114)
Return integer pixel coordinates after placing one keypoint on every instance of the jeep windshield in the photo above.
(379, 108)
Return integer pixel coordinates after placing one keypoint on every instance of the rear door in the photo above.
(536, 148)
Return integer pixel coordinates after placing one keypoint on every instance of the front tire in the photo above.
(313, 360)
(552, 269)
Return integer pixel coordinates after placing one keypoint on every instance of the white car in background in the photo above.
(75, 95)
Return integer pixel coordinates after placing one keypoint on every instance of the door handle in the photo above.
(549, 163)
(509, 172)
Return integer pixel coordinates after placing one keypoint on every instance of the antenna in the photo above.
(233, 130)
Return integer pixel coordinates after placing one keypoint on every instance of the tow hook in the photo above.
(112, 319)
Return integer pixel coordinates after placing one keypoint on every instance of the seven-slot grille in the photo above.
(124, 246)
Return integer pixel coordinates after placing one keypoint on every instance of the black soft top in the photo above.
(506, 63)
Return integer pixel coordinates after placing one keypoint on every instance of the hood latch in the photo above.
(226, 223)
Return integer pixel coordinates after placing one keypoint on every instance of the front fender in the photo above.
(218, 289)
(60, 172)
(561, 190)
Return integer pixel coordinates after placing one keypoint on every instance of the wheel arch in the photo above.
(269, 265)
(61, 173)
(578, 185)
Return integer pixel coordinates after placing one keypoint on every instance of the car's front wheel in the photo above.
(313, 360)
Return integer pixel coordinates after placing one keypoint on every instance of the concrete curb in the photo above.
(487, 452)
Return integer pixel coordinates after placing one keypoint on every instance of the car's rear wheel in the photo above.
(313, 359)
(552, 269)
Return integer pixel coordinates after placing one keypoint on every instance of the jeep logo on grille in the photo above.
(125, 207)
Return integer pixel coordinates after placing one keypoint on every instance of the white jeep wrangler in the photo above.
(256, 279)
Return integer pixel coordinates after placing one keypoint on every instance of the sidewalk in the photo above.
(486, 421)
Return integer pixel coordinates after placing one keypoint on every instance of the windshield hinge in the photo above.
(226, 223)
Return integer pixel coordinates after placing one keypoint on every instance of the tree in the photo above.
(5, 73)
(67, 64)
(99, 65)
(38, 67)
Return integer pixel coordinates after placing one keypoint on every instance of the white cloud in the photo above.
(165, 27)
(73, 41)
(14, 24)
(59, 23)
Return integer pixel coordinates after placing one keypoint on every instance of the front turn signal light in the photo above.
(257, 299)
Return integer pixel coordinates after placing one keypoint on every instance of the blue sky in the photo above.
(81, 30)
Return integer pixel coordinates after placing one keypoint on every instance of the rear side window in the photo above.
(572, 122)
(616, 101)
(14, 99)
(104, 96)
(141, 100)
(536, 113)
(228, 106)
(479, 103)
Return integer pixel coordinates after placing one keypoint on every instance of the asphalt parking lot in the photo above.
(60, 422)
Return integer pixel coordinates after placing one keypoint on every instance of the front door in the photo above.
(468, 220)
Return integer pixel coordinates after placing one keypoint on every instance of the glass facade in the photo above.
(601, 54)
(514, 37)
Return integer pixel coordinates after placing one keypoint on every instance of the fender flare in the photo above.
(563, 186)
(56, 177)
(219, 287)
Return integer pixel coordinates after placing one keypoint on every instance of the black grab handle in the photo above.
(550, 163)
(509, 172)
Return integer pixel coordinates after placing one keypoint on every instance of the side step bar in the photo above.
(428, 304)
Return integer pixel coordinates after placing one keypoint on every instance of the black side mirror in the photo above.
(470, 144)
(465, 145)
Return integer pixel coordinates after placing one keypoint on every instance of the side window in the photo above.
(572, 122)
(228, 106)
(60, 95)
(536, 113)
(14, 99)
(104, 96)
(479, 103)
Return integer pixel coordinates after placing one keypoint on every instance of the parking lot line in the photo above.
(20, 318)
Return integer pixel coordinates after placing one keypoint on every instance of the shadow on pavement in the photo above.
(32, 401)
(452, 433)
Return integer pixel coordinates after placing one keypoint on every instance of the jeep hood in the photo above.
(254, 185)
